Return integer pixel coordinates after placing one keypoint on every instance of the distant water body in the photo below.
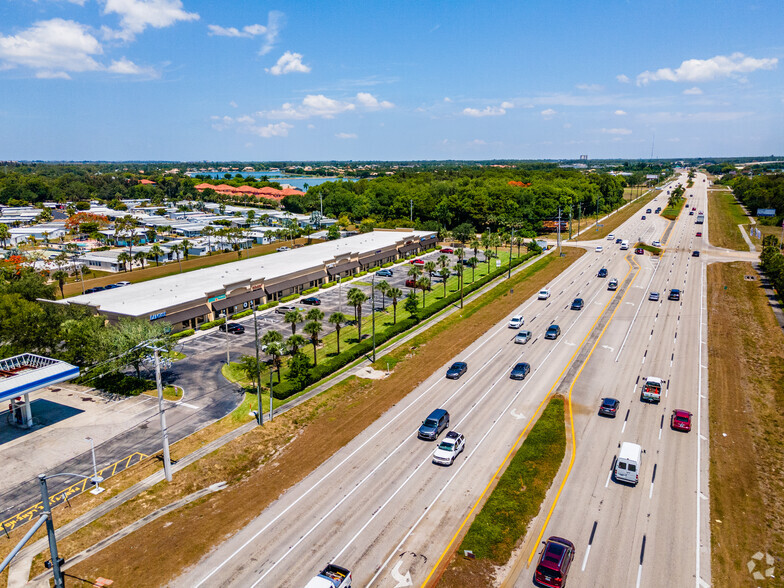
(295, 181)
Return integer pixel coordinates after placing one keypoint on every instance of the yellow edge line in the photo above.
(527, 426)
(574, 443)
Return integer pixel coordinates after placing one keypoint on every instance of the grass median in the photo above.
(302, 439)
(724, 216)
(746, 383)
(672, 212)
(515, 501)
(610, 224)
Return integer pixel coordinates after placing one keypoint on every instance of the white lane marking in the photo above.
(699, 431)
(623, 428)
(193, 406)
(585, 559)
(609, 475)
(650, 493)
(515, 415)
(639, 307)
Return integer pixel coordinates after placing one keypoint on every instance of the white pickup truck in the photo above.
(331, 576)
(651, 389)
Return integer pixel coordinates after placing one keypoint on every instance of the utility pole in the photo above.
(258, 365)
(412, 210)
(559, 232)
(570, 222)
(164, 430)
(226, 326)
(511, 243)
(373, 312)
(58, 574)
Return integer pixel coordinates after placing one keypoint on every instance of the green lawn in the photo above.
(672, 212)
(724, 216)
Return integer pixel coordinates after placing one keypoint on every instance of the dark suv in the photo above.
(602, 273)
(675, 294)
(233, 328)
(520, 371)
(552, 332)
(456, 370)
(433, 425)
(554, 563)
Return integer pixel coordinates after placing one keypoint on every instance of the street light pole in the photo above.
(373, 312)
(58, 577)
(226, 326)
(164, 430)
(97, 489)
(511, 243)
(258, 365)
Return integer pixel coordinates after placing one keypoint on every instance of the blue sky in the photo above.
(251, 80)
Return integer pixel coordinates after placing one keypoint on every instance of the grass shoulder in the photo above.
(724, 216)
(610, 224)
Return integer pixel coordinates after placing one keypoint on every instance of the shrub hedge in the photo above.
(328, 285)
(211, 324)
(243, 313)
(388, 264)
(373, 270)
(181, 334)
(310, 290)
(289, 298)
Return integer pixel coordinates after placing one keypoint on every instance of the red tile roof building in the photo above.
(265, 192)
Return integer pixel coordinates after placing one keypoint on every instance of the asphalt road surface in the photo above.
(381, 508)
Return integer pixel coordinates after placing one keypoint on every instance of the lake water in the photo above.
(295, 181)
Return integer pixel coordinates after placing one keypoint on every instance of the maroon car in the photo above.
(680, 420)
(554, 563)
(447, 250)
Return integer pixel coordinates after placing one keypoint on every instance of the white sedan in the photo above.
(599, 249)
(448, 450)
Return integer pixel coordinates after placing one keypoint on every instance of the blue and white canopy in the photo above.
(26, 373)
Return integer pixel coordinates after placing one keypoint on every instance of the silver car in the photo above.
(653, 296)
(522, 337)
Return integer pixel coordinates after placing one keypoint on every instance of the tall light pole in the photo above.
(373, 312)
(164, 430)
(511, 243)
(226, 326)
(97, 489)
(258, 365)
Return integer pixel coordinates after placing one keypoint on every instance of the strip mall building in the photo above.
(190, 299)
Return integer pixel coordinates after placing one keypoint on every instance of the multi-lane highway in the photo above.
(381, 508)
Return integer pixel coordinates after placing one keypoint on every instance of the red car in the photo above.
(699, 233)
(447, 250)
(680, 420)
(417, 262)
(410, 283)
(554, 563)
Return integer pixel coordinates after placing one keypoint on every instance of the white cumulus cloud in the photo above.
(124, 66)
(247, 31)
(624, 79)
(318, 105)
(548, 113)
(280, 129)
(704, 70)
(137, 15)
(346, 135)
(370, 102)
(289, 63)
(617, 131)
(488, 110)
(270, 31)
(620, 112)
(590, 87)
(695, 91)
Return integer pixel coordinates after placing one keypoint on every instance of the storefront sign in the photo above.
(157, 315)
(216, 298)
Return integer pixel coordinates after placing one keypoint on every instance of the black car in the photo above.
(520, 371)
(552, 332)
(695, 253)
(648, 211)
(313, 301)
(577, 304)
(458, 369)
(93, 290)
(602, 273)
(619, 240)
(233, 328)
(609, 407)
(675, 294)
(643, 217)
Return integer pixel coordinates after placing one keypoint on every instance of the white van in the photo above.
(624, 244)
(516, 322)
(628, 464)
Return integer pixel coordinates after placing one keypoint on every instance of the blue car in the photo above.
(384, 273)
(458, 369)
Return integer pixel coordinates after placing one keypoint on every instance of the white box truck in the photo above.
(651, 390)
(628, 464)
(331, 576)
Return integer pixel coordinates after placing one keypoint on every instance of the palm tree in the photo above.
(5, 234)
(424, 285)
(430, 268)
(495, 242)
(293, 317)
(140, 256)
(251, 367)
(444, 273)
(337, 319)
(155, 253)
(475, 245)
(355, 298)
(294, 343)
(176, 249)
(208, 232)
(442, 261)
(60, 277)
(383, 287)
(414, 272)
(313, 328)
(124, 258)
(186, 245)
(275, 351)
(488, 256)
(472, 263)
(315, 314)
(395, 294)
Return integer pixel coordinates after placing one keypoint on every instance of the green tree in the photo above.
(337, 319)
(430, 268)
(299, 370)
(155, 254)
(272, 344)
(250, 367)
(293, 317)
(395, 294)
(444, 274)
(383, 287)
(209, 232)
(442, 261)
(177, 249)
(356, 298)
(294, 343)
(464, 232)
(122, 343)
(313, 328)
(60, 277)
(424, 285)
(126, 260)
(411, 304)
(472, 263)
(315, 314)
(186, 245)
(5, 234)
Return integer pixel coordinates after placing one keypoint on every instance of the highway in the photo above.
(381, 508)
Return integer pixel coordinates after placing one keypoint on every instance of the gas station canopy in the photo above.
(27, 373)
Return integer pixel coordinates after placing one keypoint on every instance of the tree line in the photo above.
(763, 191)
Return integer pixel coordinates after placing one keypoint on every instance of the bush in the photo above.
(244, 313)
(119, 383)
(211, 324)
(360, 274)
(373, 270)
(181, 334)
(289, 298)
(328, 285)
(310, 290)
(388, 264)
(272, 304)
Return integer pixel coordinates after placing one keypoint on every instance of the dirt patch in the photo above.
(746, 383)
(261, 465)
(465, 572)
(369, 373)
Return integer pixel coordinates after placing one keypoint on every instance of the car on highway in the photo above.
(450, 447)
(612, 284)
(695, 253)
(331, 576)
(447, 250)
(610, 237)
(577, 304)
(643, 217)
(602, 273)
(658, 209)
(599, 249)
(516, 322)
(311, 300)
(123, 284)
(520, 371)
(648, 211)
(618, 241)
(522, 337)
(609, 407)
(285, 309)
(456, 370)
(232, 328)
(552, 332)
(385, 273)
(653, 296)
(686, 205)
(431, 428)
(417, 262)
(544, 294)
(675, 294)
(691, 213)
(699, 234)
(639, 251)
(656, 243)
(554, 563)
(680, 420)
(284, 248)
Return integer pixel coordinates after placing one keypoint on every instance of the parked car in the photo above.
(232, 328)
(675, 294)
(639, 251)
(311, 300)
(612, 284)
(456, 370)
(577, 304)
(385, 273)
(433, 425)
(609, 407)
(516, 322)
(449, 448)
(520, 371)
(284, 309)
(447, 250)
(111, 287)
(599, 249)
(94, 290)
(522, 337)
(602, 273)
(680, 420)
(544, 294)
(417, 262)
(412, 283)
(284, 248)
(123, 284)
(653, 296)
(553, 331)
(554, 563)
(695, 253)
